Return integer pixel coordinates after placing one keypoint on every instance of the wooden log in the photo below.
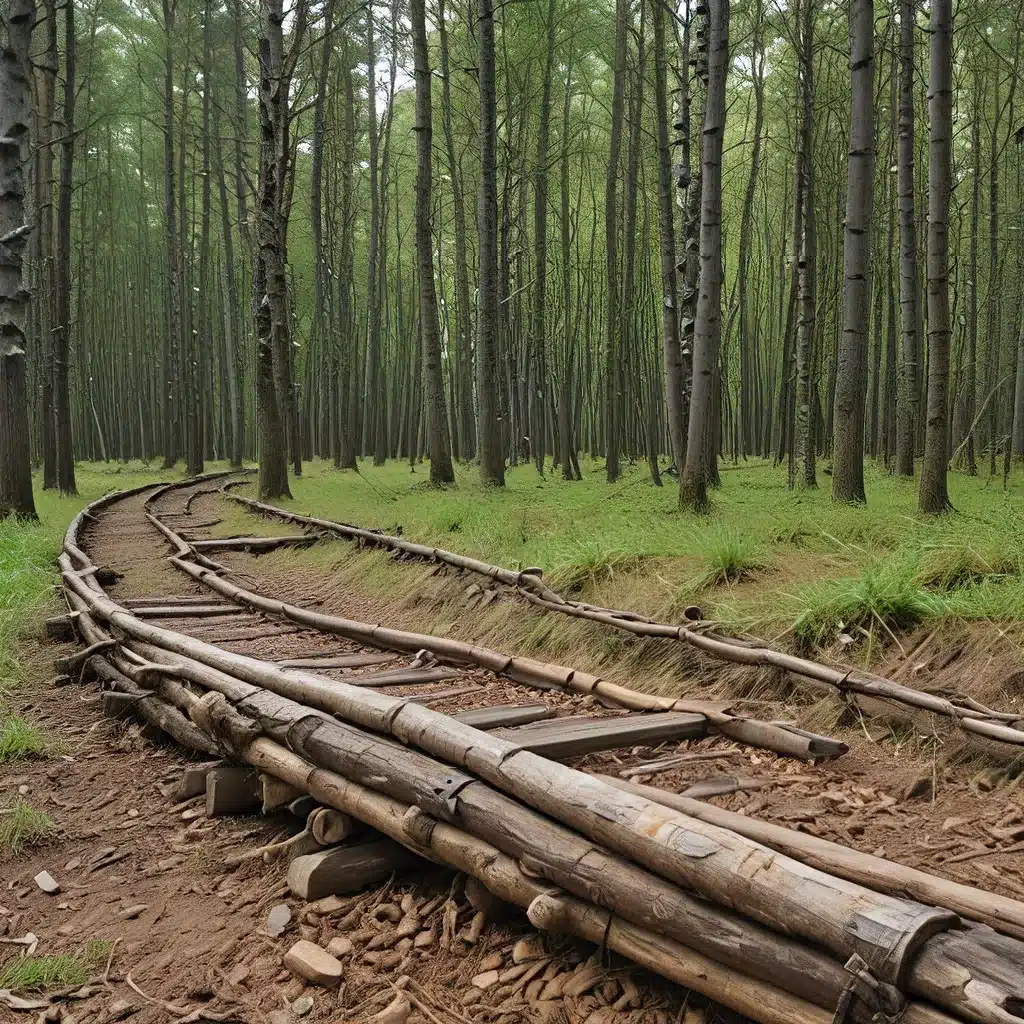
(61, 627)
(1000, 912)
(504, 715)
(160, 601)
(563, 738)
(346, 869)
(403, 677)
(340, 661)
(716, 863)
(193, 781)
(275, 793)
(731, 937)
(189, 611)
(251, 543)
(232, 789)
(330, 827)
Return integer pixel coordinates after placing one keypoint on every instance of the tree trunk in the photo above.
(671, 351)
(851, 369)
(62, 327)
(16, 19)
(934, 496)
(701, 457)
(438, 443)
(909, 286)
(492, 455)
(170, 413)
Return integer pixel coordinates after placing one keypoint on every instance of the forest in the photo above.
(670, 234)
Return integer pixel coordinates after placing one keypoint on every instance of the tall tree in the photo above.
(852, 365)
(62, 326)
(438, 441)
(171, 393)
(489, 433)
(909, 387)
(613, 315)
(671, 351)
(701, 457)
(16, 17)
(934, 493)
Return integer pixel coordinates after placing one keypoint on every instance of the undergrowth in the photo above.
(21, 825)
(19, 740)
(64, 970)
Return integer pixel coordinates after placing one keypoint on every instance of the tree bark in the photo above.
(16, 19)
(851, 369)
(492, 456)
(438, 442)
(909, 395)
(701, 457)
(934, 495)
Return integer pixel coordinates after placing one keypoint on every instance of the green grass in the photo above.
(20, 741)
(21, 825)
(833, 567)
(64, 970)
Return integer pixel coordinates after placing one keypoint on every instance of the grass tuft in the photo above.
(63, 970)
(20, 741)
(885, 597)
(729, 556)
(21, 825)
(587, 563)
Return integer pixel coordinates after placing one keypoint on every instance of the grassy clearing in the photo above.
(39, 973)
(28, 553)
(20, 741)
(768, 560)
(21, 826)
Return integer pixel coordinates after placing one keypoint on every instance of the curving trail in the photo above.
(471, 757)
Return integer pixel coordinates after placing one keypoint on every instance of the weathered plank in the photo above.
(571, 737)
(345, 869)
(504, 716)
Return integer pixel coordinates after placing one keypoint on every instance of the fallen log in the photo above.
(999, 912)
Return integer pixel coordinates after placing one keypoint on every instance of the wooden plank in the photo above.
(504, 716)
(403, 677)
(346, 869)
(570, 737)
(339, 661)
(232, 789)
(189, 611)
(251, 543)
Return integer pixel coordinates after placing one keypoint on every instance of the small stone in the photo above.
(278, 919)
(340, 945)
(132, 813)
(64, 906)
(491, 963)
(309, 931)
(66, 929)
(75, 862)
(237, 974)
(310, 961)
(329, 905)
(24, 790)
(132, 912)
(472, 996)
(528, 949)
(121, 1008)
(302, 1006)
(47, 883)
(486, 980)
(425, 939)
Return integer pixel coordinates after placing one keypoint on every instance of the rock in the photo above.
(278, 919)
(486, 980)
(23, 790)
(491, 963)
(237, 974)
(132, 912)
(472, 996)
(524, 950)
(75, 862)
(425, 939)
(309, 931)
(47, 883)
(340, 945)
(329, 905)
(302, 1006)
(310, 961)
(119, 1009)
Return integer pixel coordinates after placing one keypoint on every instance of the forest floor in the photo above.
(937, 604)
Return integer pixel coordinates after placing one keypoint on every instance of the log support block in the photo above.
(193, 780)
(346, 869)
(276, 793)
(232, 789)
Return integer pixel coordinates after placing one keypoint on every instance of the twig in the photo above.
(178, 1011)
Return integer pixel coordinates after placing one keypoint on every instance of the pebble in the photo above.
(132, 912)
(24, 790)
(491, 963)
(310, 961)
(278, 919)
(340, 945)
(47, 883)
(302, 1006)
(528, 949)
(485, 980)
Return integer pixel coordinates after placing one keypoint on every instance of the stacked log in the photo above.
(963, 712)
(766, 933)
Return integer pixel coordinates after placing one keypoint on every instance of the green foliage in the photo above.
(729, 556)
(22, 825)
(20, 741)
(39, 973)
(885, 596)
